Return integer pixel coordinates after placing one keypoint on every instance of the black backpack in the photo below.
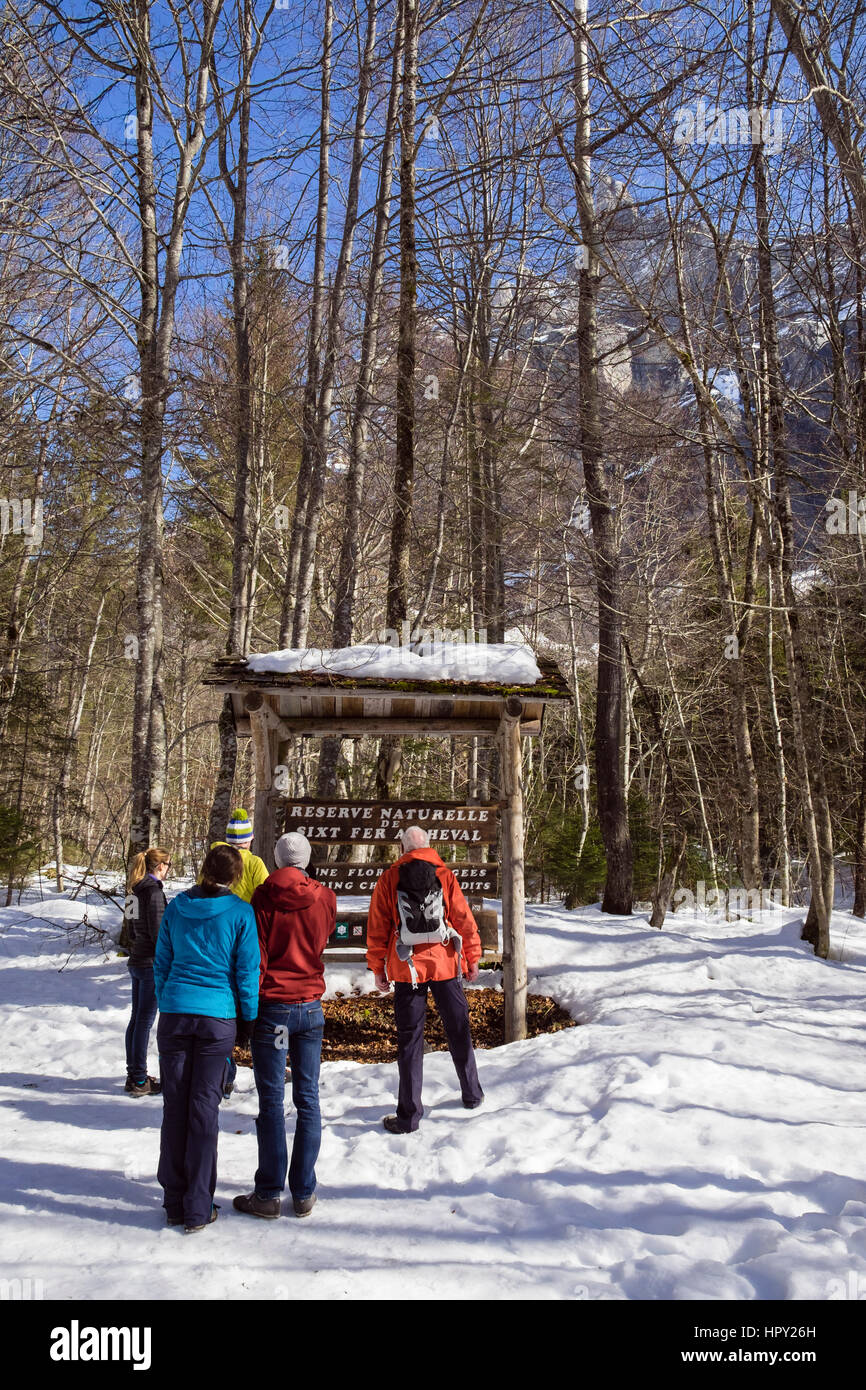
(420, 904)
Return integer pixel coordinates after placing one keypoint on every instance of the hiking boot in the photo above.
(266, 1207)
(473, 1104)
(174, 1221)
(304, 1205)
(188, 1230)
(395, 1126)
(227, 1092)
(149, 1087)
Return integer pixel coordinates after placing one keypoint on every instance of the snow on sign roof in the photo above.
(500, 662)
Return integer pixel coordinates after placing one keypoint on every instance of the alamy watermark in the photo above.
(727, 903)
(21, 1290)
(22, 516)
(77, 1343)
(846, 516)
(713, 125)
(853, 1288)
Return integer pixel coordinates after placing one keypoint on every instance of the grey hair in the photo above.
(414, 837)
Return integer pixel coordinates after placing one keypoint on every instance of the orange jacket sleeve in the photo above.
(380, 921)
(460, 918)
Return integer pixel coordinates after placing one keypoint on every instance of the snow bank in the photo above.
(504, 663)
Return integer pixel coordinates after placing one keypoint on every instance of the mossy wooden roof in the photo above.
(320, 702)
(231, 672)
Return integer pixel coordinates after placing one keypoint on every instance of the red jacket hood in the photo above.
(290, 890)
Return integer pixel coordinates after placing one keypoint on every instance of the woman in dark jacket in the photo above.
(207, 974)
(145, 908)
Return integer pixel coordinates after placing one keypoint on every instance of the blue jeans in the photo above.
(141, 1021)
(298, 1029)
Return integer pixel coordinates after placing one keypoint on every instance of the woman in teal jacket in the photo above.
(206, 972)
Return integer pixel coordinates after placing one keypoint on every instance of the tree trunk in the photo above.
(155, 333)
(804, 711)
(70, 745)
(404, 466)
(831, 105)
(667, 883)
(329, 366)
(347, 578)
(238, 632)
(309, 463)
(612, 805)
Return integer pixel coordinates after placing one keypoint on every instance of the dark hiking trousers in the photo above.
(140, 1022)
(410, 1011)
(192, 1058)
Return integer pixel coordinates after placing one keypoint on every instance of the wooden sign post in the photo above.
(513, 891)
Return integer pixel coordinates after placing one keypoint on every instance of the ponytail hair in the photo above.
(146, 862)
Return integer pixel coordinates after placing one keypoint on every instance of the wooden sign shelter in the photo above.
(276, 707)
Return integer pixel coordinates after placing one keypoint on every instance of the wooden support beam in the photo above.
(264, 744)
(380, 726)
(514, 982)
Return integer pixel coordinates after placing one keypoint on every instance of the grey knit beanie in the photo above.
(292, 851)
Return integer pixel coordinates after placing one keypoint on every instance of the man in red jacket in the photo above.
(295, 916)
(419, 932)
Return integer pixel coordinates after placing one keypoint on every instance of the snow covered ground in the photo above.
(700, 1136)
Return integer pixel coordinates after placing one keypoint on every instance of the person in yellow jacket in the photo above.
(239, 834)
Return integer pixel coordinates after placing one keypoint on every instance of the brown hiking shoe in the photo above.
(251, 1205)
(149, 1087)
(190, 1230)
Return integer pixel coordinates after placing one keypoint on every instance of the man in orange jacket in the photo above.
(401, 898)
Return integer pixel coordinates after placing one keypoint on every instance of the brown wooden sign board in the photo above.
(381, 822)
(354, 879)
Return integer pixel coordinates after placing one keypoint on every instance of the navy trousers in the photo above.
(140, 1022)
(410, 1011)
(192, 1059)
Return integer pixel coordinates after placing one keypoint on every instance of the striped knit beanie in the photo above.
(239, 828)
